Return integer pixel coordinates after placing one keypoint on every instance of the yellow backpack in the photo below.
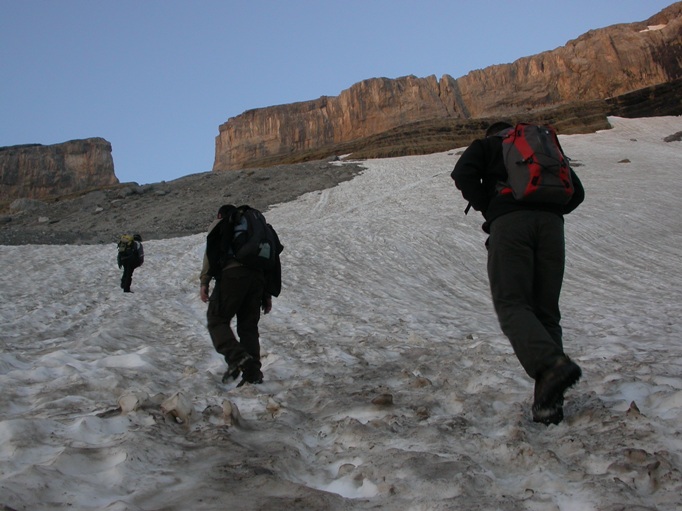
(126, 243)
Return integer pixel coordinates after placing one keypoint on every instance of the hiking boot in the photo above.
(251, 372)
(549, 390)
(231, 374)
(549, 415)
(236, 368)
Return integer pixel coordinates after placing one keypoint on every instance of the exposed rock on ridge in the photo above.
(41, 171)
(169, 209)
(600, 64)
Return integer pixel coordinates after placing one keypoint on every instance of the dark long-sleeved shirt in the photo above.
(478, 172)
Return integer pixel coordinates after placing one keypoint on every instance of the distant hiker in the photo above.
(130, 256)
(526, 257)
(242, 255)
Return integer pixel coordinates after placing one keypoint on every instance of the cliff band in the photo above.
(600, 64)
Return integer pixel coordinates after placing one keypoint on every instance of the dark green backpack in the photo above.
(254, 241)
(246, 237)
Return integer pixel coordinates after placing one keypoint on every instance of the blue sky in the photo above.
(156, 78)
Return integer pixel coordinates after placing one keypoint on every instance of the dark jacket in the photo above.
(481, 168)
(133, 257)
(273, 277)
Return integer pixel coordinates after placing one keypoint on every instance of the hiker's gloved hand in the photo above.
(203, 293)
(266, 304)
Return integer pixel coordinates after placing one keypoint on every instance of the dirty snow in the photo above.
(388, 384)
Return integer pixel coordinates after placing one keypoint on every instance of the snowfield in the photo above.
(388, 384)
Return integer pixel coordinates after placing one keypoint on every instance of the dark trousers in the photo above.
(238, 293)
(526, 256)
(127, 278)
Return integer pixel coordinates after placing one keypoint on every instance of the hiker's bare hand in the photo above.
(266, 305)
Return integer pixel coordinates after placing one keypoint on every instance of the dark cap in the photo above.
(496, 127)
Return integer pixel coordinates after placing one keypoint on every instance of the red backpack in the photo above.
(538, 170)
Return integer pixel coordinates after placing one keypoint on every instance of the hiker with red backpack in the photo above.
(519, 179)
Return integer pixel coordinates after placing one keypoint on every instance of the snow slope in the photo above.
(388, 383)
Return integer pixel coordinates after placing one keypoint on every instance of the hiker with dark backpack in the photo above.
(520, 180)
(130, 256)
(242, 255)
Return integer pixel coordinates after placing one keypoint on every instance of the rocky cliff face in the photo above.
(598, 65)
(41, 171)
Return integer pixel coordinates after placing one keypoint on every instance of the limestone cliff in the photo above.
(41, 171)
(600, 64)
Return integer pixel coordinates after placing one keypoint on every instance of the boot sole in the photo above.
(548, 416)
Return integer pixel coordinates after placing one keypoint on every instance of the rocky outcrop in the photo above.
(663, 99)
(600, 64)
(443, 134)
(42, 171)
(168, 209)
